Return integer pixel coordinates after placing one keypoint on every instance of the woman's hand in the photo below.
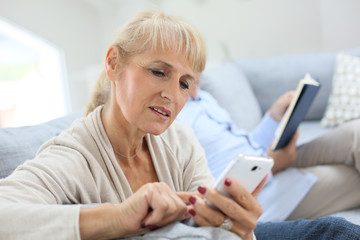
(152, 206)
(279, 107)
(284, 157)
(243, 209)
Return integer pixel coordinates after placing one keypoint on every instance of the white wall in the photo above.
(340, 24)
(256, 28)
(260, 28)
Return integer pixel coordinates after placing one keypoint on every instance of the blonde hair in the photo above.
(155, 31)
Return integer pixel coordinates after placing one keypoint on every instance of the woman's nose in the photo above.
(171, 90)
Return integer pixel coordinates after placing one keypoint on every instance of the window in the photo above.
(33, 86)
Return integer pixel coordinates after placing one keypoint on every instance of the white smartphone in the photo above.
(247, 170)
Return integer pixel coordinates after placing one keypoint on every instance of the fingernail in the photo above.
(192, 199)
(227, 182)
(202, 190)
(153, 227)
(192, 212)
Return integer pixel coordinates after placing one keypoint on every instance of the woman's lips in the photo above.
(162, 112)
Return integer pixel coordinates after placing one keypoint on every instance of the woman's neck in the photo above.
(126, 142)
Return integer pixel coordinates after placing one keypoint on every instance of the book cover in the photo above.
(304, 96)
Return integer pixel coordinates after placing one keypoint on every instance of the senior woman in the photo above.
(128, 155)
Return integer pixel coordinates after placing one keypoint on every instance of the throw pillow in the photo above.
(344, 101)
(227, 83)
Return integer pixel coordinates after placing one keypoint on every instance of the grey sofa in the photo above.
(20, 144)
(245, 87)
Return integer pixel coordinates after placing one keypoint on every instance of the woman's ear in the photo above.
(112, 62)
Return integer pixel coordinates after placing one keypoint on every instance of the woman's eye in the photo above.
(158, 73)
(184, 85)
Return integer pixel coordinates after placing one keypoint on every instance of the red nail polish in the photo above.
(227, 182)
(202, 190)
(192, 199)
(153, 227)
(192, 212)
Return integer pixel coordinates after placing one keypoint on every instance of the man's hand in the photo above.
(279, 107)
(284, 157)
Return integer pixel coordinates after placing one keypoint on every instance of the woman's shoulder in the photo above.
(78, 136)
(77, 147)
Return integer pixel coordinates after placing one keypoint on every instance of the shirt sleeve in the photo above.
(264, 133)
(201, 175)
(34, 203)
(196, 171)
(28, 210)
(39, 221)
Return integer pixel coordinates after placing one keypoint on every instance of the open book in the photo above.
(295, 113)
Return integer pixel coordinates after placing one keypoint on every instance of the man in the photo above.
(301, 192)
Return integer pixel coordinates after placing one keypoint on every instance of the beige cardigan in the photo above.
(39, 200)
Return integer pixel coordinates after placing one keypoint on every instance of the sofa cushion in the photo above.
(227, 83)
(273, 76)
(344, 101)
(20, 144)
(309, 130)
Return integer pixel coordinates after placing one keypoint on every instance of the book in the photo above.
(305, 93)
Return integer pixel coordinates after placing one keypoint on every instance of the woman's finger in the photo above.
(203, 214)
(255, 193)
(186, 195)
(199, 219)
(242, 196)
(243, 220)
(227, 206)
(166, 206)
(237, 191)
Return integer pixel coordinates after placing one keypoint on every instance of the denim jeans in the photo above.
(327, 228)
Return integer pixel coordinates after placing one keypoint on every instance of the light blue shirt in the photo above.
(222, 141)
(225, 140)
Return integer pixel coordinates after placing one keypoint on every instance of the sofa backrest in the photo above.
(228, 84)
(20, 144)
(271, 77)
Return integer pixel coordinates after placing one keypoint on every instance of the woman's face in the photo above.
(152, 89)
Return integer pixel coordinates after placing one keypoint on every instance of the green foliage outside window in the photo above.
(13, 72)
